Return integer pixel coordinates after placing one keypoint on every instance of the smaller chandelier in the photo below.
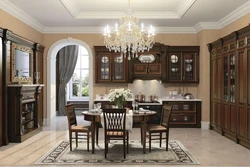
(129, 37)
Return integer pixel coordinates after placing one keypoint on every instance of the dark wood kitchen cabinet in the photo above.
(23, 111)
(230, 86)
(185, 113)
(216, 86)
(243, 87)
(183, 64)
(110, 67)
(148, 65)
(229, 114)
(147, 69)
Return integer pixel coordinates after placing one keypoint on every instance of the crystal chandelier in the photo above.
(129, 37)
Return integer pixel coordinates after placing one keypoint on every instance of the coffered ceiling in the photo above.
(90, 16)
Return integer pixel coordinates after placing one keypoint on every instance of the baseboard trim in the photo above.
(205, 125)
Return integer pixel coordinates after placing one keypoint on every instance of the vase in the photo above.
(119, 104)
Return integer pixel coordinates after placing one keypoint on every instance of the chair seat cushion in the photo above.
(156, 128)
(80, 128)
(114, 133)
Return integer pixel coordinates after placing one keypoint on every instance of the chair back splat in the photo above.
(114, 127)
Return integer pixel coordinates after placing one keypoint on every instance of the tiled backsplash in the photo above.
(147, 87)
(151, 87)
(155, 87)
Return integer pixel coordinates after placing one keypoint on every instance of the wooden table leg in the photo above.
(144, 137)
(97, 132)
(144, 128)
(141, 124)
(93, 136)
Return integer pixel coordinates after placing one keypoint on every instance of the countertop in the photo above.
(161, 100)
(165, 99)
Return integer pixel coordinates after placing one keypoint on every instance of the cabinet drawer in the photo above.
(180, 118)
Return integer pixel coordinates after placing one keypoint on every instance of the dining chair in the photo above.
(155, 131)
(114, 128)
(73, 127)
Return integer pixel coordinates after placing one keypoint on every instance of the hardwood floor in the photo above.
(207, 146)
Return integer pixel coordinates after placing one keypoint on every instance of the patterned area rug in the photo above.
(61, 154)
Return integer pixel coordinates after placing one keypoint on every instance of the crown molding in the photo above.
(75, 11)
(19, 14)
(73, 30)
(71, 7)
(206, 25)
(118, 15)
(236, 14)
(175, 30)
(183, 8)
(99, 30)
(231, 17)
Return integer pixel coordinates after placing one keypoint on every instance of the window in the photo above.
(78, 86)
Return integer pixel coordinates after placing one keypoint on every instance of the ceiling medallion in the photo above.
(129, 37)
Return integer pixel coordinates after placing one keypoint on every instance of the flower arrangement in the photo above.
(119, 95)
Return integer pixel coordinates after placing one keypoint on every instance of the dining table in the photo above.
(138, 117)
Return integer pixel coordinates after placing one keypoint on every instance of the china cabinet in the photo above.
(229, 114)
(110, 67)
(230, 91)
(183, 64)
(243, 87)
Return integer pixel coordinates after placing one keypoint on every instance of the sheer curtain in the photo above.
(67, 62)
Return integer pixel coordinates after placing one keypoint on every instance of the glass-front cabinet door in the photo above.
(232, 78)
(229, 78)
(189, 66)
(226, 79)
(174, 67)
(119, 68)
(104, 67)
(111, 67)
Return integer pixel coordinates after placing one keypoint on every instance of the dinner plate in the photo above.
(188, 68)
(174, 59)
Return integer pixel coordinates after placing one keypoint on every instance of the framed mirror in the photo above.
(21, 64)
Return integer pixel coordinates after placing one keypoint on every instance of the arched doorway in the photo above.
(51, 74)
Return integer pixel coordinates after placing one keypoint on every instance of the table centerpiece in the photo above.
(120, 95)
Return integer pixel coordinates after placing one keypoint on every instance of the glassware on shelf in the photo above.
(133, 105)
(136, 105)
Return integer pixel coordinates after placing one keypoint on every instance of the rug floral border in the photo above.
(183, 155)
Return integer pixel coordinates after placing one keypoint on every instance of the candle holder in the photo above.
(37, 76)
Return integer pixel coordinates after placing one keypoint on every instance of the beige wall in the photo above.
(16, 26)
(201, 39)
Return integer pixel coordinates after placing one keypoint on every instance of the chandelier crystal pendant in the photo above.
(129, 37)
